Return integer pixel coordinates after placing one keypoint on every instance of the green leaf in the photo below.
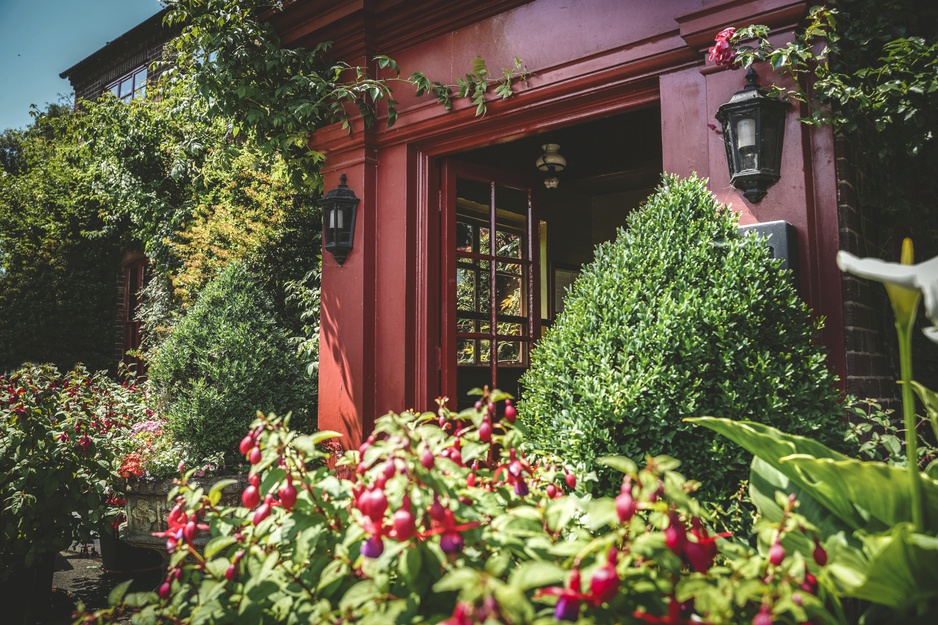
(765, 481)
(214, 494)
(619, 463)
(117, 595)
(559, 512)
(902, 571)
(537, 574)
(930, 401)
(772, 445)
(358, 595)
(217, 544)
(458, 579)
(875, 489)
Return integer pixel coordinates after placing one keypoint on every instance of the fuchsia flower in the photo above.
(181, 528)
(569, 598)
(723, 53)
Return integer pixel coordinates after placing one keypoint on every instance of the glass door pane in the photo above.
(495, 317)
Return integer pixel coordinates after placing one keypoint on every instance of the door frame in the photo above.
(450, 169)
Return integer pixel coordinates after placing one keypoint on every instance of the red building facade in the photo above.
(460, 251)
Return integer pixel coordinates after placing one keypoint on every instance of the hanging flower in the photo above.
(723, 53)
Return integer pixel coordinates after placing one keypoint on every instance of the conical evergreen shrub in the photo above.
(680, 316)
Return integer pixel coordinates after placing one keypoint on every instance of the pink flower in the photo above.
(723, 53)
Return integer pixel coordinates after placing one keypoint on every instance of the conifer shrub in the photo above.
(226, 359)
(679, 316)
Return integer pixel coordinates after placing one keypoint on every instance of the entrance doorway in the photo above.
(511, 247)
(493, 278)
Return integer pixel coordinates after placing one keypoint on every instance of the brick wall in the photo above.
(869, 336)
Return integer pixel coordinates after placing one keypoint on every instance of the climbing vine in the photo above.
(871, 70)
(280, 94)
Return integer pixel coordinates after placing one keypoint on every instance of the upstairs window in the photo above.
(133, 85)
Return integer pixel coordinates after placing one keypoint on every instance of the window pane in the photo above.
(511, 329)
(510, 291)
(511, 207)
(511, 353)
(509, 245)
(466, 295)
(127, 87)
(466, 351)
(485, 352)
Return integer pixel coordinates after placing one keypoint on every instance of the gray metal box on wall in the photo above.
(782, 239)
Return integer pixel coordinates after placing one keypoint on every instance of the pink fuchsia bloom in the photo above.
(701, 552)
(723, 53)
(569, 598)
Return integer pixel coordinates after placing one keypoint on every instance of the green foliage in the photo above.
(55, 462)
(877, 436)
(228, 357)
(871, 69)
(426, 522)
(279, 95)
(879, 521)
(58, 257)
(862, 509)
(680, 316)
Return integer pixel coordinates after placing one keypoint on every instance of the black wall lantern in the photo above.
(339, 209)
(753, 128)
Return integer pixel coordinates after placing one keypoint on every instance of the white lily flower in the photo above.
(922, 278)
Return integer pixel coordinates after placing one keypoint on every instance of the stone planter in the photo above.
(121, 558)
(147, 509)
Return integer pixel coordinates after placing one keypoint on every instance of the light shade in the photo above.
(339, 211)
(551, 162)
(753, 131)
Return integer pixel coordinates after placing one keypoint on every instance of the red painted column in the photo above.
(346, 339)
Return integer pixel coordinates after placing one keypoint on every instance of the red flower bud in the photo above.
(819, 554)
(570, 478)
(287, 496)
(675, 536)
(261, 513)
(164, 590)
(405, 525)
(625, 507)
(511, 413)
(246, 444)
(485, 431)
(254, 456)
(764, 617)
(427, 459)
(604, 584)
(231, 573)
(776, 553)
(250, 497)
(551, 490)
(373, 504)
(190, 531)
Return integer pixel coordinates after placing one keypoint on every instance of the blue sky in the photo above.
(39, 39)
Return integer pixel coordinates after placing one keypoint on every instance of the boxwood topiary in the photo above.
(680, 316)
(227, 358)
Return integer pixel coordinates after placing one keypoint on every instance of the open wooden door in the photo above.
(491, 279)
